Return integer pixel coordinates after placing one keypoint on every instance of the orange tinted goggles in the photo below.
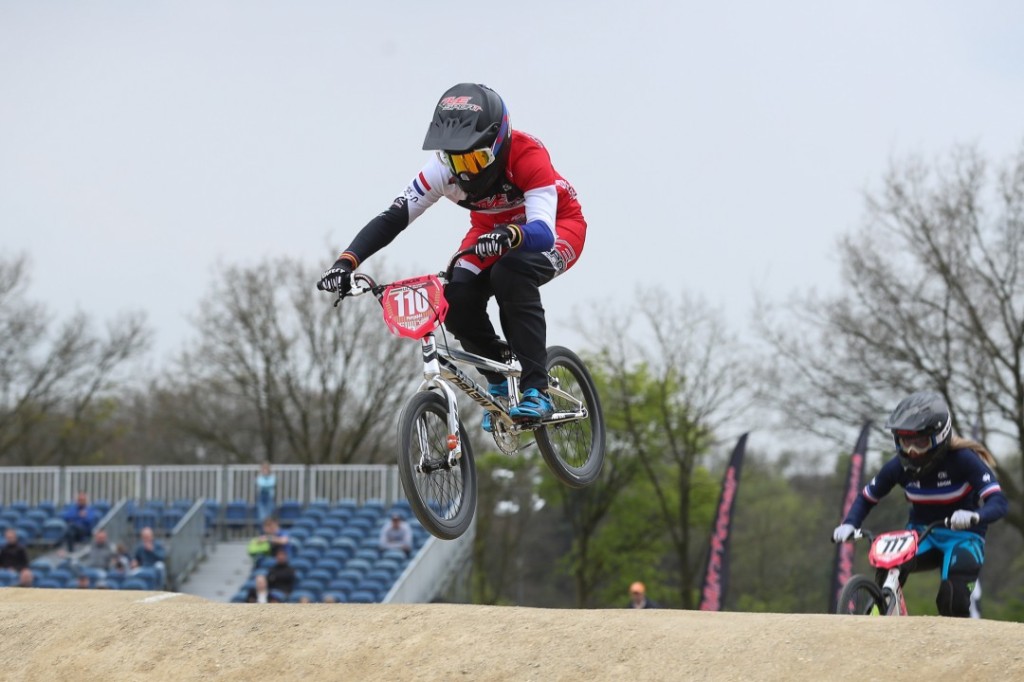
(467, 164)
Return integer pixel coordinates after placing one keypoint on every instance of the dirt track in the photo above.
(99, 635)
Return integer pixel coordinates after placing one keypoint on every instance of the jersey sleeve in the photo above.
(994, 504)
(879, 486)
(421, 193)
(533, 173)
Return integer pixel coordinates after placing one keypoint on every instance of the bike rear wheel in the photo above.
(573, 450)
(861, 597)
(442, 497)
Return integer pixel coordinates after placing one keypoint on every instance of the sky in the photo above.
(718, 149)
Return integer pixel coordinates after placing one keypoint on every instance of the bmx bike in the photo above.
(861, 595)
(435, 459)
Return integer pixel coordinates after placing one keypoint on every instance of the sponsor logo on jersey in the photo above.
(458, 104)
(411, 195)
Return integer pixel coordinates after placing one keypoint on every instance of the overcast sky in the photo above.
(717, 148)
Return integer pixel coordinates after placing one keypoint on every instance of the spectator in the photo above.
(281, 576)
(26, 578)
(271, 540)
(83, 581)
(13, 555)
(266, 492)
(80, 517)
(150, 553)
(260, 592)
(121, 562)
(638, 597)
(102, 553)
(396, 534)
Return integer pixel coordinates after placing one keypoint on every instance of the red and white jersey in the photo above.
(531, 191)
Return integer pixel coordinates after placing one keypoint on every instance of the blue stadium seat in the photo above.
(41, 567)
(344, 585)
(301, 565)
(183, 503)
(146, 517)
(134, 583)
(319, 542)
(390, 566)
(27, 529)
(9, 577)
(314, 587)
(362, 597)
(334, 596)
(170, 518)
(351, 574)
(383, 576)
(296, 596)
(37, 515)
(102, 507)
(60, 575)
(48, 583)
(300, 534)
(47, 506)
(240, 597)
(357, 564)
(395, 555)
(332, 566)
(319, 574)
(318, 504)
(362, 523)
(357, 534)
(53, 531)
(239, 514)
(375, 505)
(341, 554)
(340, 513)
(371, 555)
(347, 503)
(289, 512)
(20, 506)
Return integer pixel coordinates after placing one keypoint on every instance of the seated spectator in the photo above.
(150, 553)
(260, 592)
(121, 562)
(83, 581)
(272, 539)
(396, 534)
(80, 517)
(13, 555)
(102, 553)
(281, 576)
(26, 578)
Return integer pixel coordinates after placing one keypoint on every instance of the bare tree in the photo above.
(933, 298)
(691, 383)
(58, 381)
(279, 373)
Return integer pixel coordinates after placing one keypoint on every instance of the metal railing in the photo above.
(219, 483)
(187, 547)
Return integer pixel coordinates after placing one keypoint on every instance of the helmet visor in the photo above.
(467, 164)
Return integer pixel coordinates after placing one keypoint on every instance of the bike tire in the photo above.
(444, 500)
(574, 451)
(859, 596)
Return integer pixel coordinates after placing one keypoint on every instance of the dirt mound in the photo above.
(93, 635)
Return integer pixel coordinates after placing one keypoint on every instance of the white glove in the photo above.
(843, 532)
(963, 519)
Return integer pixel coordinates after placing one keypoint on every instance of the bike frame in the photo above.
(441, 371)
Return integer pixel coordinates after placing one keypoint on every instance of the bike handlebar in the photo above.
(363, 283)
(859, 533)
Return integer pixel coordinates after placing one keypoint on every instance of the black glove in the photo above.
(498, 241)
(338, 278)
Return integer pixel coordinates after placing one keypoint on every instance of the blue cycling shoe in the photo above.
(534, 405)
(498, 391)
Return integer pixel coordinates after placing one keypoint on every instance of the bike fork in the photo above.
(432, 376)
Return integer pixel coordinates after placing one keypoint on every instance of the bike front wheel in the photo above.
(442, 497)
(573, 450)
(861, 596)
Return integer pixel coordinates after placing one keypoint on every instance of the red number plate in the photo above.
(414, 307)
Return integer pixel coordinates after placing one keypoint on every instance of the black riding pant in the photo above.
(514, 281)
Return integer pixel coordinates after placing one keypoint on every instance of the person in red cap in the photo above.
(638, 597)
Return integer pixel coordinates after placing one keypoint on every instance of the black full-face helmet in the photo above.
(470, 132)
(921, 427)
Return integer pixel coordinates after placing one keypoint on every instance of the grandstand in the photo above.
(205, 514)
